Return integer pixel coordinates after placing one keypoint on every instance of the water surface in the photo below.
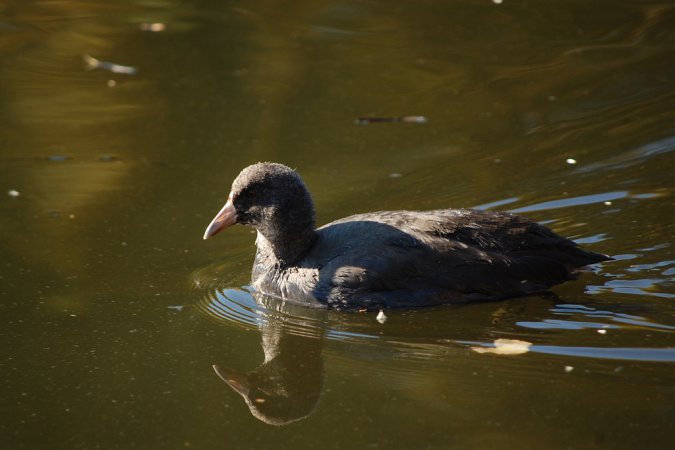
(114, 310)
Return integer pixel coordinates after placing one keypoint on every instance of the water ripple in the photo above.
(438, 332)
(665, 354)
(583, 200)
(632, 157)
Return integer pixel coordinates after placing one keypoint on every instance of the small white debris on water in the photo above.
(395, 175)
(155, 27)
(571, 161)
(602, 331)
(414, 119)
(13, 193)
(111, 83)
(608, 203)
(381, 317)
(94, 63)
(505, 347)
(497, 2)
(568, 369)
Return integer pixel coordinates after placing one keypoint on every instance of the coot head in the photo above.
(273, 199)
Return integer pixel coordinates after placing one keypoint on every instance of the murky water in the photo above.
(114, 310)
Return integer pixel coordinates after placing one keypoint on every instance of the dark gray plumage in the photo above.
(390, 258)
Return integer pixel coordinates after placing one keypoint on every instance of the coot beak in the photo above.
(226, 217)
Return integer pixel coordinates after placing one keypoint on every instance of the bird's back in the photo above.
(404, 258)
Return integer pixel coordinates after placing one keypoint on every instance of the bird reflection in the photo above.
(287, 386)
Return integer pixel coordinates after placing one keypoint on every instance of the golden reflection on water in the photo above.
(64, 127)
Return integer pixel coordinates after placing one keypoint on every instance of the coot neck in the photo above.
(285, 246)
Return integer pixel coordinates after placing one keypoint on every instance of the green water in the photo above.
(113, 310)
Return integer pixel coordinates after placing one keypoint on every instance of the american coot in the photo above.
(390, 259)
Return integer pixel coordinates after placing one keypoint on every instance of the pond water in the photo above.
(123, 123)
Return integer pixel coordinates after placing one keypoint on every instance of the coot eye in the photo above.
(250, 193)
